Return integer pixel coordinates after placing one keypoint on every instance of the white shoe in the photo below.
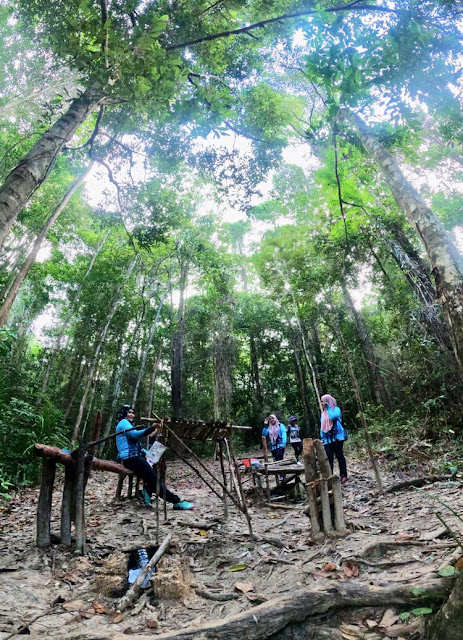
(299, 463)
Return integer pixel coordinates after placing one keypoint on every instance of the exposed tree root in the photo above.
(271, 617)
(417, 482)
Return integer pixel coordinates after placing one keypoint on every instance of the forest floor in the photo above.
(58, 594)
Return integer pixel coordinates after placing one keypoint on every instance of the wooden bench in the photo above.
(75, 480)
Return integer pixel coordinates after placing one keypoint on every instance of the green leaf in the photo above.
(405, 616)
(237, 567)
(448, 572)
(421, 611)
(418, 591)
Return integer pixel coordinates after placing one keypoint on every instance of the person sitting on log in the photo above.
(275, 431)
(333, 434)
(130, 453)
(295, 437)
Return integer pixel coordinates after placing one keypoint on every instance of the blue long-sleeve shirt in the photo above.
(128, 445)
(337, 432)
(280, 442)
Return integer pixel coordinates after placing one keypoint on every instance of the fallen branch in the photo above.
(221, 597)
(416, 482)
(268, 618)
(135, 590)
(205, 526)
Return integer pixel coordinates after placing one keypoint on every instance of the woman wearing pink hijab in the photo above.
(333, 434)
(275, 431)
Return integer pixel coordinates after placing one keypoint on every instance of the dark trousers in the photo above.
(147, 473)
(336, 449)
(278, 454)
(297, 446)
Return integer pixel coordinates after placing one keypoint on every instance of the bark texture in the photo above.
(34, 168)
(177, 347)
(445, 260)
(448, 622)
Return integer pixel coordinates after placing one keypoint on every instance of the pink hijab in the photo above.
(273, 429)
(327, 424)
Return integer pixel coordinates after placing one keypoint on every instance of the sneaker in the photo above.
(184, 506)
(299, 463)
(343, 479)
(145, 497)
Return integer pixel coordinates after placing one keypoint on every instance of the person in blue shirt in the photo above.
(130, 453)
(275, 431)
(333, 434)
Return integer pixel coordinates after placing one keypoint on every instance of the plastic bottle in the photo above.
(141, 561)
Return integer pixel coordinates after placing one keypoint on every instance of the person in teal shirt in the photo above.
(332, 433)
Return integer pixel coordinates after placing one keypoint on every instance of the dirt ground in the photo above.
(215, 572)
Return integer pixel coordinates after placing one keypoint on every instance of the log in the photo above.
(80, 498)
(44, 504)
(310, 467)
(310, 462)
(135, 590)
(417, 482)
(45, 451)
(300, 605)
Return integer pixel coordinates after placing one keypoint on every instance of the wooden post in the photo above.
(130, 488)
(326, 507)
(137, 487)
(67, 503)
(44, 504)
(322, 459)
(224, 479)
(158, 481)
(120, 484)
(265, 448)
(80, 497)
(240, 485)
(339, 523)
(310, 467)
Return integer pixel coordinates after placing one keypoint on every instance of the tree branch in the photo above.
(285, 16)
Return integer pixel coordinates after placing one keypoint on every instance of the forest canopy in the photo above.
(226, 209)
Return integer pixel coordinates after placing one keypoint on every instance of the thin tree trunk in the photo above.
(308, 417)
(96, 355)
(379, 391)
(154, 372)
(68, 318)
(177, 347)
(255, 371)
(358, 397)
(445, 259)
(144, 357)
(29, 261)
(34, 168)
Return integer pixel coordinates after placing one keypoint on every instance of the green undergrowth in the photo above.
(412, 443)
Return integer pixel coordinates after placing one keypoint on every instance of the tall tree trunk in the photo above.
(222, 362)
(149, 342)
(68, 318)
(154, 371)
(360, 404)
(74, 387)
(418, 277)
(309, 419)
(177, 347)
(96, 354)
(29, 261)
(444, 257)
(379, 391)
(255, 371)
(34, 168)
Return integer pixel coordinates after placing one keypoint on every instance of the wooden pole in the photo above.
(67, 504)
(44, 504)
(80, 497)
(130, 488)
(339, 523)
(158, 481)
(326, 507)
(267, 481)
(310, 476)
(224, 479)
(240, 485)
(322, 459)
(120, 484)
